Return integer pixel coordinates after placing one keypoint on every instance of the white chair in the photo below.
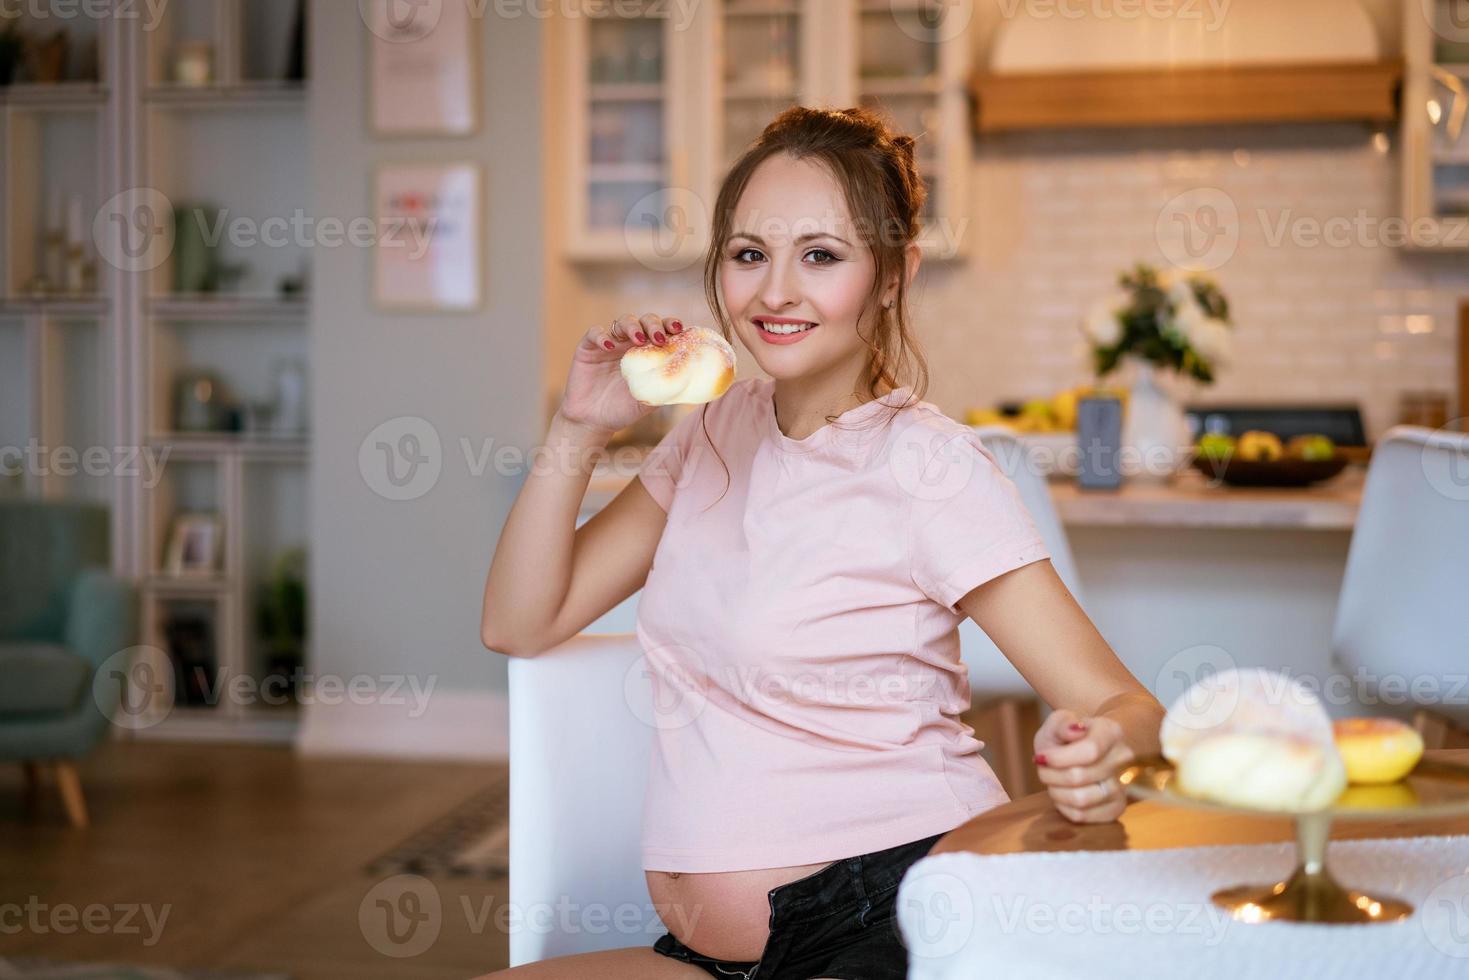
(579, 756)
(1401, 611)
(992, 678)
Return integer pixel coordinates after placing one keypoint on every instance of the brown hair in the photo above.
(884, 194)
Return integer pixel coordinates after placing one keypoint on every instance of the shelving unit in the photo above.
(1434, 128)
(236, 146)
(99, 370)
(650, 151)
(58, 389)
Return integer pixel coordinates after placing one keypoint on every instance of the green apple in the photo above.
(1216, 445)
(1312, 446)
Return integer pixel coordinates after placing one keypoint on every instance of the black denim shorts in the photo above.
(837, 922)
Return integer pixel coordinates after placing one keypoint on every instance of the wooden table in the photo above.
(1031, 823)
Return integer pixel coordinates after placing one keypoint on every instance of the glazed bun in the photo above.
(1263, 771)
(697, 365)
(1377, 750)
(1253, 738)
(1248, 699)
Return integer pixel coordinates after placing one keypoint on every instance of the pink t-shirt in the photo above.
(801, 636)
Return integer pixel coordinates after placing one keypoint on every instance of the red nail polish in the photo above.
(1077, 727)
(658, 336)
(675, 325)
(1040, 760)
(609, 345)
(642, 337)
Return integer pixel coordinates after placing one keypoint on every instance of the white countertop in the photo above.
(1187, 501)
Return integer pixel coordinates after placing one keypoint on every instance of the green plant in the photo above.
(1179, 321)
(282, 610)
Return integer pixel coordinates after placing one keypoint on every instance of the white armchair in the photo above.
(579, 756)
(1400, 612)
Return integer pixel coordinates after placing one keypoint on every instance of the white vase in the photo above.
(1155, 438)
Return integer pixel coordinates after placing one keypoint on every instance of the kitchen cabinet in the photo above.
(1432, 134)
(656, 122)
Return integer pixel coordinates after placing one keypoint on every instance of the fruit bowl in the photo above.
(1432, 789)
(1287, 472)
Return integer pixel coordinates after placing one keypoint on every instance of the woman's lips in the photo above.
(782, 339)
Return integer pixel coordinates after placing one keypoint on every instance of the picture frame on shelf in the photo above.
(430, 221)
(194, 546)
(423, 74)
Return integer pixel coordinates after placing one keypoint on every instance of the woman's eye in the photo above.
(740, 255)
(824, 257)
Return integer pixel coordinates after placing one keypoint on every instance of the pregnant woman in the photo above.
(807, 545)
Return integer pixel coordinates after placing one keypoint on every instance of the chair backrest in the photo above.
(579, 757)
(1401, 612)
(44, 544)
(990, 674)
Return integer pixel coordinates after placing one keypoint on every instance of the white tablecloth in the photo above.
(1143, 914)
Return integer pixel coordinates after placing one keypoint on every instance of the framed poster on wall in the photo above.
(422, 68)
(429, 234)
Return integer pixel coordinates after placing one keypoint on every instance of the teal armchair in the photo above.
(62, 614)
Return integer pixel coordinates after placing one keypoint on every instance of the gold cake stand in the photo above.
(1433, 789)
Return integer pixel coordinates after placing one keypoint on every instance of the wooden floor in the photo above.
(255, 855)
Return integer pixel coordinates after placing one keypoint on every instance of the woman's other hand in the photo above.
(1077, 760)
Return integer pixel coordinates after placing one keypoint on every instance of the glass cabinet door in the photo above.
(641, 116)
(1431, 129)
(898, 72)
(626, 117)
(1447, 106)
(760, 69)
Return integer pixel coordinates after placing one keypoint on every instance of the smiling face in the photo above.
(793, 259)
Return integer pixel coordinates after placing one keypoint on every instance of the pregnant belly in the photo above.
(726, 914)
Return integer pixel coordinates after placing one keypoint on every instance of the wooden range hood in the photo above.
(1266, 62)
(1339, 91)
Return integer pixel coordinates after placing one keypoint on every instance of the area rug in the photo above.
(470, 841)
(37, 969)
